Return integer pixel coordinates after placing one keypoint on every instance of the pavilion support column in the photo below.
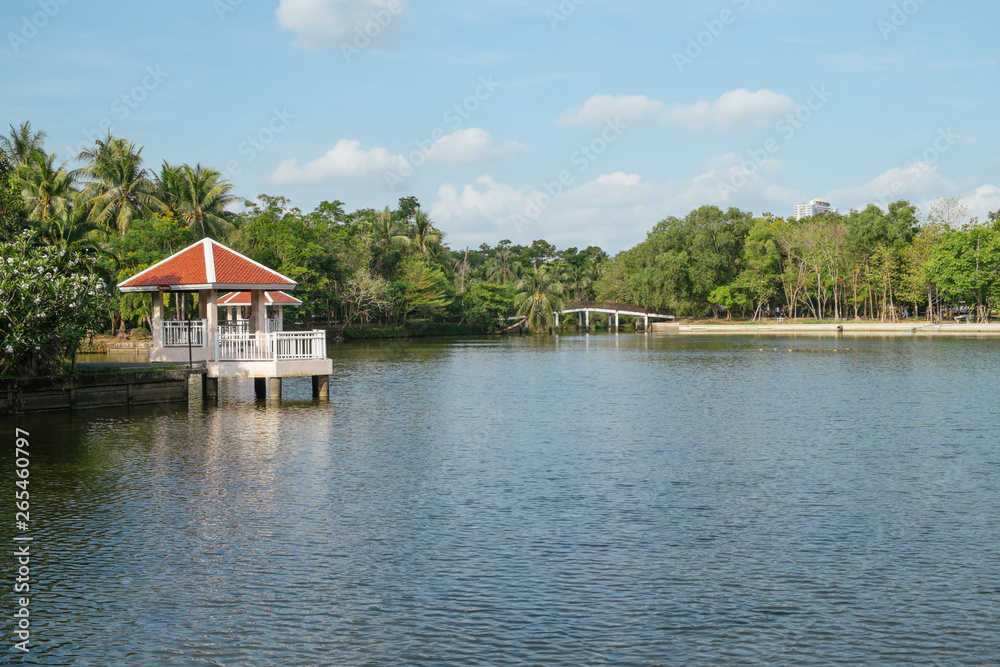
(281, 318)
(258, 312)
(260, 388)
(208, 302)
(321, 387)
(209, 388)
(274, 384)
(157, 319)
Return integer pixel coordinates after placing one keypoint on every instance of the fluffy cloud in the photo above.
(329, 23)
(347, 161)
(630, 109)
(613, 210)
(470, 146)
(985, 200)
(735, 110)
(918, 182)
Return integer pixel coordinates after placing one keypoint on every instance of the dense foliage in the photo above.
(392, 268)
(49, 302)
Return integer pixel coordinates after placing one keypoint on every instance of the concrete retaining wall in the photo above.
(97, 391)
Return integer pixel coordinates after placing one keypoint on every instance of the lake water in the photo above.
(601, 500)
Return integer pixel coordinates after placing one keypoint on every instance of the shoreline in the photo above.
(899, 328)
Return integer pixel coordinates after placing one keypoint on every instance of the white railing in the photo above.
(176, 333)
(273, 346)
(243, 326)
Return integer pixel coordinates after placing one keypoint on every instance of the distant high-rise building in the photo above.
(815, 207)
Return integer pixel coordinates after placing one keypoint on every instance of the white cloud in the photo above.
(346, 160)
(630, 109)
(735, 110)
(613, 210)
(329, 23)
(918, 182)
(985, 200)
(470, 146)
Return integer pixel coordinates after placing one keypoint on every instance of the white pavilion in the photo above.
(234, 347)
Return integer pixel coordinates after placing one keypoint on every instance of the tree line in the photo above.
(870, 263)
(393, 267)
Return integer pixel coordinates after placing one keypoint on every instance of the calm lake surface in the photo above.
(601, 500)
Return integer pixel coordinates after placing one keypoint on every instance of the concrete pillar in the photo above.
(157, 318)
(587, 315)
(616, 321)
(321, 387)
(208, 309)
(260, 388)
(209, 388)
(258, 312)
(580, 317)
(281, 318)
(645, 328)
(557, 319)
(274, 384)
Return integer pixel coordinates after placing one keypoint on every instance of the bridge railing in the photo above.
(612, 305)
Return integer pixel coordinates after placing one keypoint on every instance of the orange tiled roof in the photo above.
(271, 298)
(207, 265)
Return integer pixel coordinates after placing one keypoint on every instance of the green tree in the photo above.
(965, 266)
(47, 189)
(426, 239)
(488, 304)
(502, 265)
(539, 295)
(203, 198)
(49, 301)
(21, 143)
(120, 190)
(422, 290)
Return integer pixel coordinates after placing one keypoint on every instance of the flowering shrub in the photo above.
(49, 302)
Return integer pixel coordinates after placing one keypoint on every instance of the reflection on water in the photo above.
(581, 500)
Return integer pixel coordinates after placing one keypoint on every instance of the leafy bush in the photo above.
(49, 302)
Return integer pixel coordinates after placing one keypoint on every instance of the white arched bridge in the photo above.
(609, 308)
(585, 308)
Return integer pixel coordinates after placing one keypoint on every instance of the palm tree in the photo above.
(20, 143)
(426, 239)
(47, 190)
(577, 280)
(168, 187)
(203, 198)
(385, 238)
(503, 267)
(120, 188)
(539, 295)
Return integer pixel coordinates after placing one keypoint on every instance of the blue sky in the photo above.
(582, 121)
